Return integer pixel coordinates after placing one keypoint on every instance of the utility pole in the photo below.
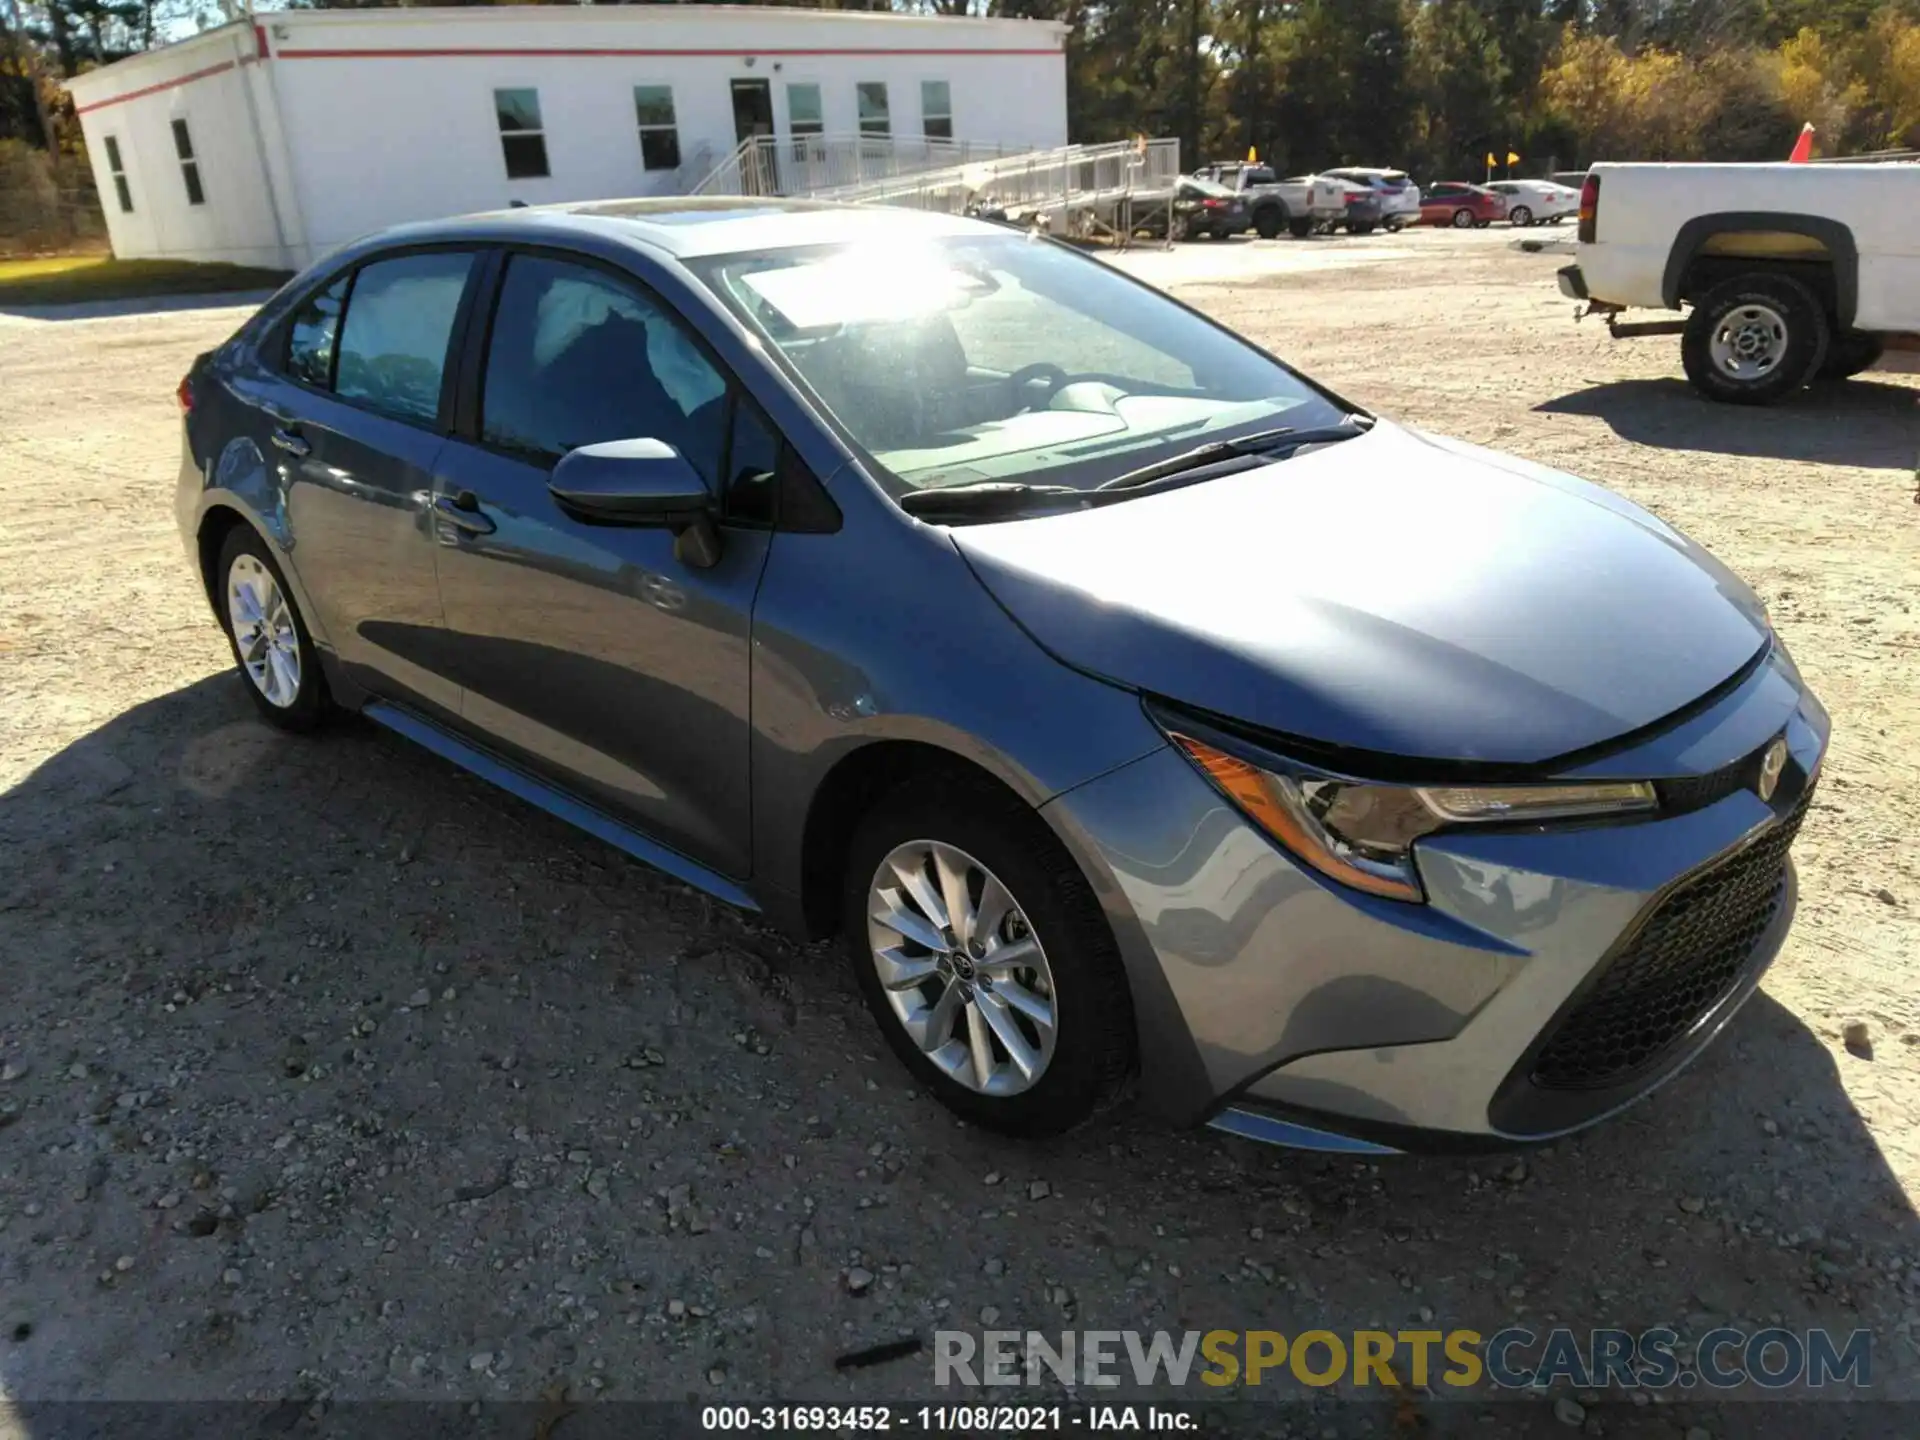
(1191, 141)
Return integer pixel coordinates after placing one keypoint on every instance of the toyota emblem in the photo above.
(1771, 764)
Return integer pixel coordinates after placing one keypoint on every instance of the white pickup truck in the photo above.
(1792, 273)
(1296, 206)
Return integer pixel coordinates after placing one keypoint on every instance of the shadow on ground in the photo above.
(1872, 424)
(336, 1074)
(140, 305)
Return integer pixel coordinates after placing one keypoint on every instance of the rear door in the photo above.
(351, 411)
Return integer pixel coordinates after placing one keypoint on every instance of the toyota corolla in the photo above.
(1142, 715)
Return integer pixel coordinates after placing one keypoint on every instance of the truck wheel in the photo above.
(1851, 353)
(1300, 226)
(1754, 339)
(1268, 221)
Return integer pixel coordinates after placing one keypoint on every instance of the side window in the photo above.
(117, 168)
(393, 346)
(312, 333)
(523, 139)
(659, 135)
(872, 98)
(753, 463)
(577, 357)
(189, 166)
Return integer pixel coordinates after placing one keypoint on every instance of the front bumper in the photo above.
(1276, 1004)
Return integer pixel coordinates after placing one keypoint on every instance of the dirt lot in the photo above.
(330, 1072)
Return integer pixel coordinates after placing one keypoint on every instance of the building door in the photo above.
(753, 120)
(752, 109)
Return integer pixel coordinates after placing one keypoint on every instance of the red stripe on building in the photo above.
(221, 68)
(731, 50)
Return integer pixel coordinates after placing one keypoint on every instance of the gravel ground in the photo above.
(330, 1072)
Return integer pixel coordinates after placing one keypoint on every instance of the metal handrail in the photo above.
(1037, 183)
(804, 165)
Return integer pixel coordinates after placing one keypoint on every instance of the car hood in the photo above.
(1398, 593)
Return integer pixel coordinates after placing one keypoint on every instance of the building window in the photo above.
(119, 172)
(804, 115)
(189, 167)
(522, 140)
(936, 110)
(873, 108)
(659, 137)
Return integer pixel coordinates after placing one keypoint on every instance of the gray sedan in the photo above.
(1142, 715)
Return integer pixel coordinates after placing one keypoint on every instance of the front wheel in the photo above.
(1754, 339)
(271, 646)
(985, 959)
(1521, 216)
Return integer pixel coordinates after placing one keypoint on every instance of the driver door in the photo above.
(591, 652)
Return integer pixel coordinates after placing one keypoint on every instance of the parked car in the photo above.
(1456, 203)
(1793, 273)
(1536, 202)
(1399, 197)
(898, 576)
(1297, 206)
(1203, 210)
(1359, 212)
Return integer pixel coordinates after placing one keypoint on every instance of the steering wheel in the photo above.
(1022, 382)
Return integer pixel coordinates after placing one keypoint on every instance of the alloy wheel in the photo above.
(962, 970)
(263, 631)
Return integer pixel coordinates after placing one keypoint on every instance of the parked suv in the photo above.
(1399, 197)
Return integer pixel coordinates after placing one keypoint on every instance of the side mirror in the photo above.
(640, 482)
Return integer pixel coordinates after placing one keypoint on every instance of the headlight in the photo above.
(1362, 834)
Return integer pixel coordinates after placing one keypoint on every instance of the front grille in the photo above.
(1695, 792)
(1685, 958)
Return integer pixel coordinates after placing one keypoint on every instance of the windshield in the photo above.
(977, 358)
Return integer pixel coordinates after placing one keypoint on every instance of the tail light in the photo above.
(1589, 209)
(1211, 204)
(185, 394)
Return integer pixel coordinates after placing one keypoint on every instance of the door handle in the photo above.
(463, 512)
(290, 440)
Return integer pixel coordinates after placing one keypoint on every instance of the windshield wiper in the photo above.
(986, 498)
(1257, 444)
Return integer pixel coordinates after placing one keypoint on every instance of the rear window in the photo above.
(393, 345)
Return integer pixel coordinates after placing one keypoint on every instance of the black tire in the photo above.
(1799, 325)
(1269, 221)
(311, 703)
(1300, 226)
(1849, 354)
(1094, 1050)
(1520, 215)
(1463, 219)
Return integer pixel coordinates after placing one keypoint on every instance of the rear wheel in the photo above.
(985, 959)
(1521, 215)
(1463, 219)
(1849, 354)
(1268, 220)
(1754, 339)
(271, 647)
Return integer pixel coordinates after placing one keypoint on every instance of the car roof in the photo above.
(689, 226)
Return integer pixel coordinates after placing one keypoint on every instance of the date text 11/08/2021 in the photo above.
(948, 1419)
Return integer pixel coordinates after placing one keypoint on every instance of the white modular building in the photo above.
(269, 142)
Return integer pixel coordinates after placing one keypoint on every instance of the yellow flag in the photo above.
(1253, 156)
(1491, 162)
(1512, 159)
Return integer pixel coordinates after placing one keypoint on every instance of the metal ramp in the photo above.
(1081, 191)
(812, 165)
